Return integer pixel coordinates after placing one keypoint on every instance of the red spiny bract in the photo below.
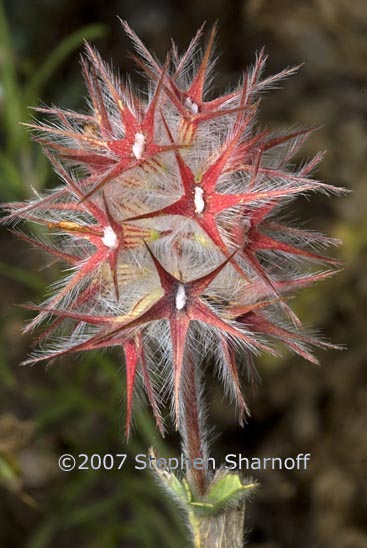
(167, 219)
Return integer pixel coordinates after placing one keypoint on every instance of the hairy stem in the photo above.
(224, 530)
(193, 432)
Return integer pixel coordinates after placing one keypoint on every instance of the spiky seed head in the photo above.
(167, 220)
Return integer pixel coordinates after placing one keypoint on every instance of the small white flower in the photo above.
(199, 200)
(138, 146)
(180, 297)
(109, 238)
(191, 105)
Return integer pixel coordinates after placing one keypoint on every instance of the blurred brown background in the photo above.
(299, 408)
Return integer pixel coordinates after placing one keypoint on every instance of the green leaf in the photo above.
(94, 510)
(8, 78)
(8, 472)
(65, 48)
(227, 489)
(33, 281)
(42, 536)
(179, 490)
(12, 185)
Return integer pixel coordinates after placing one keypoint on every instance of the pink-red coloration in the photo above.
(166, 219)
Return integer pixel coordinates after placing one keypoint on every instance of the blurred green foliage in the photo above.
(22, 164)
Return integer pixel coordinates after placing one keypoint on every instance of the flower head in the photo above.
(167, 220)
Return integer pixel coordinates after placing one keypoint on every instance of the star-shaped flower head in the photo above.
(168, 220)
